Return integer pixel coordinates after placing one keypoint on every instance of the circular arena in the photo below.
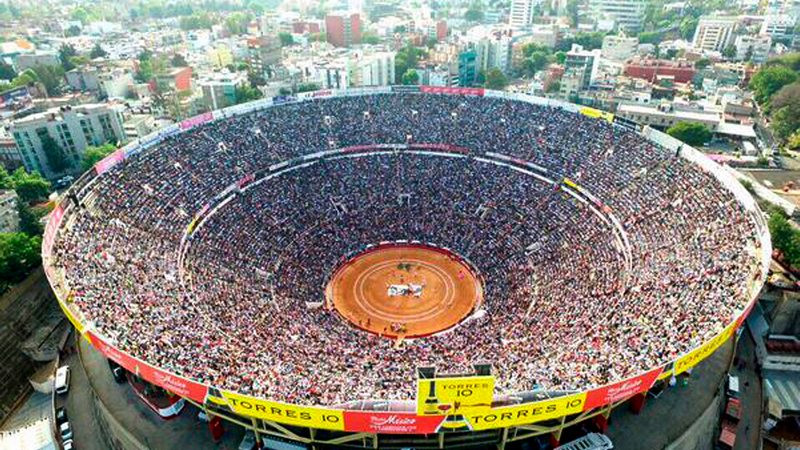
(315, 252)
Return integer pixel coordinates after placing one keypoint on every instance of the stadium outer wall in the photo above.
(337, 426)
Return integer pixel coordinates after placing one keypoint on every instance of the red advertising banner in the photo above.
(50, 230)
(168, 381)
(196, 120)
(452, 90)
(109, 161)
(391, 422)
(622, 390)
(442, 147)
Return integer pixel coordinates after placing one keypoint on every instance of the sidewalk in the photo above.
(749, 430)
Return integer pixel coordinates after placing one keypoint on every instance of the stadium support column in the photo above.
(637, 402)
(555, 436)
(255, 431)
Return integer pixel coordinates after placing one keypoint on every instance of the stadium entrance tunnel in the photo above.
(405, 290)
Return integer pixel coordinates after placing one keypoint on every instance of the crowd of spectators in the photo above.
(563, 310)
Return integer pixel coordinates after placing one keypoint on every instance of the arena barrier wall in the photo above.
(406, 421)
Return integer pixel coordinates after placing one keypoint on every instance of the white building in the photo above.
(585, 62)
(714, 33)
(73, 128)
(372, 69)
(522, 12)
(627, 14)
(779, 26)
(9, 215)
(619, 48)
(753, 48)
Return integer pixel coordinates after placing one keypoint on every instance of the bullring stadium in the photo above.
(406, 260)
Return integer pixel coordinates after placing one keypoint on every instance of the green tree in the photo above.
(496, 79)
(97, 52)
(729, 51)
(51, 77)
(286, 39)
(534, 63)
(307, 87)
(19, 254)
(573, 7)
(650, 37)
(553, 87)
(780, 229)
(30, 187)
(410, 77)
(236, 23)
(371, 38)
(769, 80)
(56, 158)
(178, 60)
(691, 133)
(65, 52)
(93, 154)
(6, 71)
(785, 107)
(247, 94)
(473, 14)
(687, 27)
(561, 57)
(30, 219)
(702, 63)
(406, 58)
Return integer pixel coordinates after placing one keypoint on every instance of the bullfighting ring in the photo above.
(321, 261)
(405, 291)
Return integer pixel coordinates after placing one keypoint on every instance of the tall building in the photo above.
(583, 62)
(219, 90)
(73, 128)
(522, 12)
(263, 55)
(467, 68)
(343, 29)
(619, 48)
(779, 26)
(753, 48)
(372, 69)
(714, 33)
(628, 15)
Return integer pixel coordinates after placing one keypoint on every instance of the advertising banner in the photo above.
(410, 89)
(511, 416)
(68, 312)
(50, 230)
(109, 161)
(691, 359)
(391, 422)
(196, 120)
(173, 383)
(316, 94)
(454, 395)
(304, 416)
(597, 114)
(622, 390)
(452, 90)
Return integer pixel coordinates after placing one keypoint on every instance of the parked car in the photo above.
(61, 416)
(62, 380)
(68, 445)
(66, 432)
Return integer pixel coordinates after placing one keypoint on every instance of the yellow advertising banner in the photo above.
(704, 351)
(597, 114)
(67, 312)
(511, 416)
(454, 395)
(304, 416)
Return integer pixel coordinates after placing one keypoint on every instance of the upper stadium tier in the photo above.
(603, 255)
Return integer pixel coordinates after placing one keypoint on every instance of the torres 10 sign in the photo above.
(454, 395)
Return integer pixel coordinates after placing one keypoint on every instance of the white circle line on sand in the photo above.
(358, 288)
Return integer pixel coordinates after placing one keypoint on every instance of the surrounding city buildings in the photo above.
(522, 12)
(72, 128)
(9, 214)
(627, 15)
(714, 33)
(343, 29)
